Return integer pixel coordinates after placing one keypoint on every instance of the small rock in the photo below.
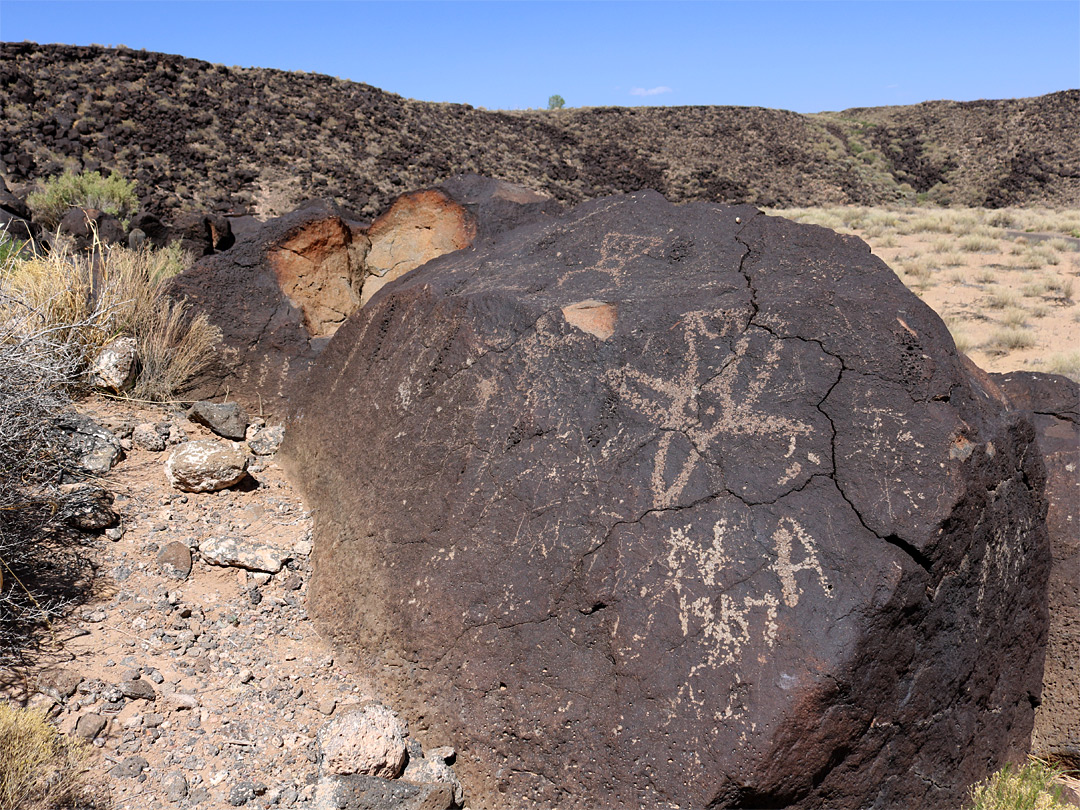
(261, 577)
(354, 792)
(114, 367)
(153, 720)
(175, 786)
(115, 533)
(267, 441)
(246, 675)
(175, 560)
(240, 552)
(241, 793)
(433, 770)
(225, 419)
(130, 768)
(367, 740)
(181, 700)
(89, 726)
(206, 466)
(98, 450)
(138, 690)
(327, 706)
(147, 437)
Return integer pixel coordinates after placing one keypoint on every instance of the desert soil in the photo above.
(242, 680)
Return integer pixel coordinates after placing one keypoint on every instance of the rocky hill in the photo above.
(201, 136)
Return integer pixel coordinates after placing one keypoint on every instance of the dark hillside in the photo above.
(203, 136)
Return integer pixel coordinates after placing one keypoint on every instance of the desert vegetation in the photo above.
(1005, 281)
(57, 195)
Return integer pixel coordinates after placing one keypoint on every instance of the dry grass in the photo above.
(87, 301)
(1009, 339)
(40, 769)
(1067, 363)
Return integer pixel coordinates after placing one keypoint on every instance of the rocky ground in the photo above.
(199, 684)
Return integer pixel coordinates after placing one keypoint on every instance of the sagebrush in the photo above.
(112, 194)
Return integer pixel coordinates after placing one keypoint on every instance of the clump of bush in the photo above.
(112, 194)
(1031, 787)
(85, 301)
(39, 767)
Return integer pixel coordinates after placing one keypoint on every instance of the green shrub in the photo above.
(1029, 788)
(113, 194)
(556, 102)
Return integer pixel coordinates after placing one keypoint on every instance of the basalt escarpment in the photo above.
(1053, 404)
(194, 136)
(283, 290)
(662, 506)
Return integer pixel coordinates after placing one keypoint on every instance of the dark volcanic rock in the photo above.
(1053, 403)
(499, 206)
(679, 506)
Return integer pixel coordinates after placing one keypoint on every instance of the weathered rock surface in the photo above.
(284, 289)
(357, 792)
(96, 448)
(206, 466)
(1053, 404)
(226, 419)
(114, 367)
(274, 295)
(679, 506)
(368, 740)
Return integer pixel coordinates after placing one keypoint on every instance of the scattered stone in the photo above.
(87, 507)
(242, 793)
(147, 437)
(88, 726)
(175, 786)
(175, 560)
(130, 768)
(97, 449)
(359, 792)
(113, 369)
(266, 441)
(206, 466)
(138, 690)
(367, 740)
(226, 419)
(241, 552)
(431, 770)
(180, 701)
(115, 533)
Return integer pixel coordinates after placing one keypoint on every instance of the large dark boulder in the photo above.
(659, 506)
(1053, 404)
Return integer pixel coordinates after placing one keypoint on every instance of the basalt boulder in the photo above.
(1053, 404)
(662, 506)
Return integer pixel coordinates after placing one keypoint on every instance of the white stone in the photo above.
(114, 367)
(206, 466)
(368, 740)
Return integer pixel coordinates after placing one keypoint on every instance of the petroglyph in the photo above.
(674, 404)
(724, 625)
(615, 250)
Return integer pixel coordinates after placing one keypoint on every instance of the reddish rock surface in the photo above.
(658, 506)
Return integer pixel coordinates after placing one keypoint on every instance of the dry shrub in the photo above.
(1010, 338)
(85, 301)
(39, 767)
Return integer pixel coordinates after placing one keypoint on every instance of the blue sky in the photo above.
(802, 56)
